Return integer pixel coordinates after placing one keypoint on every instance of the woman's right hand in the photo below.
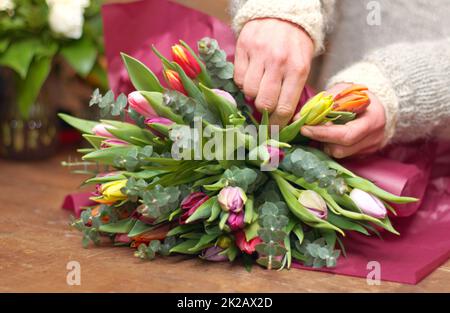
(272, 64)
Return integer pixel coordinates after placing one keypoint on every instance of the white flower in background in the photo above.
(7, 5)
(66, 17)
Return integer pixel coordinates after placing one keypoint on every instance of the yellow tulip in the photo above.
(111, 192)
(317, 109)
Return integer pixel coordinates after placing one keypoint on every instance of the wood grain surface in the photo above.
(36, 244)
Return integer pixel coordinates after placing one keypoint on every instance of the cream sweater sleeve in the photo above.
(314, 16)
(412, 81)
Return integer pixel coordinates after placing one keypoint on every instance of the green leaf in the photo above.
(345, 223)
(95, 141)
(219, 104)
(85, 126)
(30, 87)
(81, 55)
(290, 132)
(141, 76)
(204, 242)
(223, 219)
(129, 132)
(248, 210)
(181, 229)
(19, 55)
(298, 231)
(121, 227)
(251, 231)
(107, 155)
(156, 101)
(215, 211)
(203, 211)
(140, 228)
(185, 247)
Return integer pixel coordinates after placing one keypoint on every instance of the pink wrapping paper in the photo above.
(420, 169)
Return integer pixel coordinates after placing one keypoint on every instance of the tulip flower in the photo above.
(174, 81)
(101, 130)
(191, 203)
(186, 60)
(314, 203)
(111, 192)
(232, 199)
(236, 221)
(139, 104)
(226, 96)
(275, 153)
(368, 203)
(159, 125)
(244, 245)
(107, 143)
(352, 99)
(224, 242)
(317, 109)
(213, 254)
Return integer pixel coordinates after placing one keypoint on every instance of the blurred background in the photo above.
(51, 60)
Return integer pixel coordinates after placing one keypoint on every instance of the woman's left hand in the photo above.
(364, 135)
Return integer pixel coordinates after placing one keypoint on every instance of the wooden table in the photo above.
(36, 244)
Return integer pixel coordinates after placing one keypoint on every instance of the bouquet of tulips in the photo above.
(187, 169)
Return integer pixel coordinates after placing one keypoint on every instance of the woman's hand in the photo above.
(363, 135)
(272, 63)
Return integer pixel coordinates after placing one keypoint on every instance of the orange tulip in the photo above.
(352, 99)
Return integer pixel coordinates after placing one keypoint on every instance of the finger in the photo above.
(240, 65)
(371, 143)
(290, 95)
(269, 90)
(253, 78)
(346, 135)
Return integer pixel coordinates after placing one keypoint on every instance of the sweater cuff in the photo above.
(305, 13)
(369, 74)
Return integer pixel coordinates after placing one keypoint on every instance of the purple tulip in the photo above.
(232, 199)
(314, 203)
(139, 104)
(226, 96)
(212, 254)
(368, 203)
(236, 221)
(101, 130)
(191, 203)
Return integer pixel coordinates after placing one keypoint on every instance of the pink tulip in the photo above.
(232, 199)
(225, 95)
(212, 254)
(275, 153)
(191, 203)
(244, 245)
(314, 203)
(107, 143)
(159, 120)
(368, 203)
(139, 104)
(101, 130)
(236, 221)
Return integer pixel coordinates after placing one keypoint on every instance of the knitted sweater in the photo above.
(400, 49)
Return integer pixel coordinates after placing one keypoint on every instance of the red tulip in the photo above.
(174, 81)
(191, 203)
(186, 60)
(244, 245)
